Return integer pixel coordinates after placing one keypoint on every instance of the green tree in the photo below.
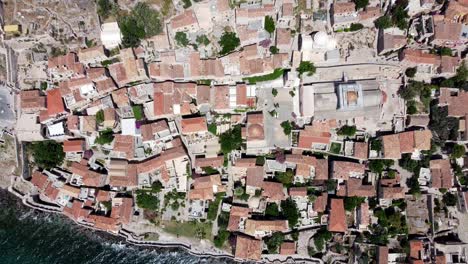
(147, 200)
(131, 31)
(269, 24)
(274, 242)
(100, 116)
(411, 72)
(272, 210)
(105, 137)
(458, 151)
(221, 238)
(228, 42)
(306, 67)
(444, 51)
(290, 212)
(104, 8)
(182, 39)
(352, 202)
(376, 144)
(286, 178)
(356, 27)
(187, 3)
(346, 130)
(287, 127)
(48, 154)
(231, 140)
(331, 185)
(274, 50)
(156, 187)
(411, 108)
(147, 18)
(321, 237)
(383, 22)
(203, 40)
(213, 207)
(400, 14)
(449, 199)
(361, 3)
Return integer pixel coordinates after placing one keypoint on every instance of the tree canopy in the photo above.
(361, 3)
(269, 24)
(383, 22)
(458, 151)
(142, 22)
(306, 67)
(231, 140)
(228, 42)
(182, 39)
(47, 154)
(290, 212)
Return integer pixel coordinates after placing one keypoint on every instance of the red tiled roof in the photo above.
(235, 217)
(273, 191)
(415, 248)
(194, 125)
(255, 177)
(54, 102)
(288, 248)
(441, 174)
(337, 221)
(76, 145)
(248, 248)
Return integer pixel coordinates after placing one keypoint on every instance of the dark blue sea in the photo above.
(29, 236)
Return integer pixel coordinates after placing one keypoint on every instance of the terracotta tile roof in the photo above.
(288, 248)
(120, 97)
(205, 187)
(76, 145)
(221, 97)
(441, 174)
(55, 104)
(76, 211)
(422, 139)
(447, 31)
(415, 249)
(361, 150)
(187, 18)
(406, 142)
(31, 100)
(193, 125)
(88, 124)
(288, 9)
(123, 213)
(337, 221)
(241, 94)
(96, 73)
(255, 177)
(283, 36)
(419, 57)
(253, 226)
(125, 144)
(157, 162)
(72, 122)
(148, 130)
(51, 192)
(273, 191)
(222, 5)
(213, 162)
(203, 94)
(248, 248)
(90, 178)
(343, 8)
(255, 129)
(320, 204)
(354, 187)
(391, 146)
(310, 136)
(392, 192)
(298, 191)
(235, 216)
(370, 12)
(449, 64)
(456, 103)
(103, 196)
(104, 223)
(39, 180)
(382, 255)
(105, 86)
(246, 163)
(345, 169)
(440, 259)
(122, 174)
(88, 54)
